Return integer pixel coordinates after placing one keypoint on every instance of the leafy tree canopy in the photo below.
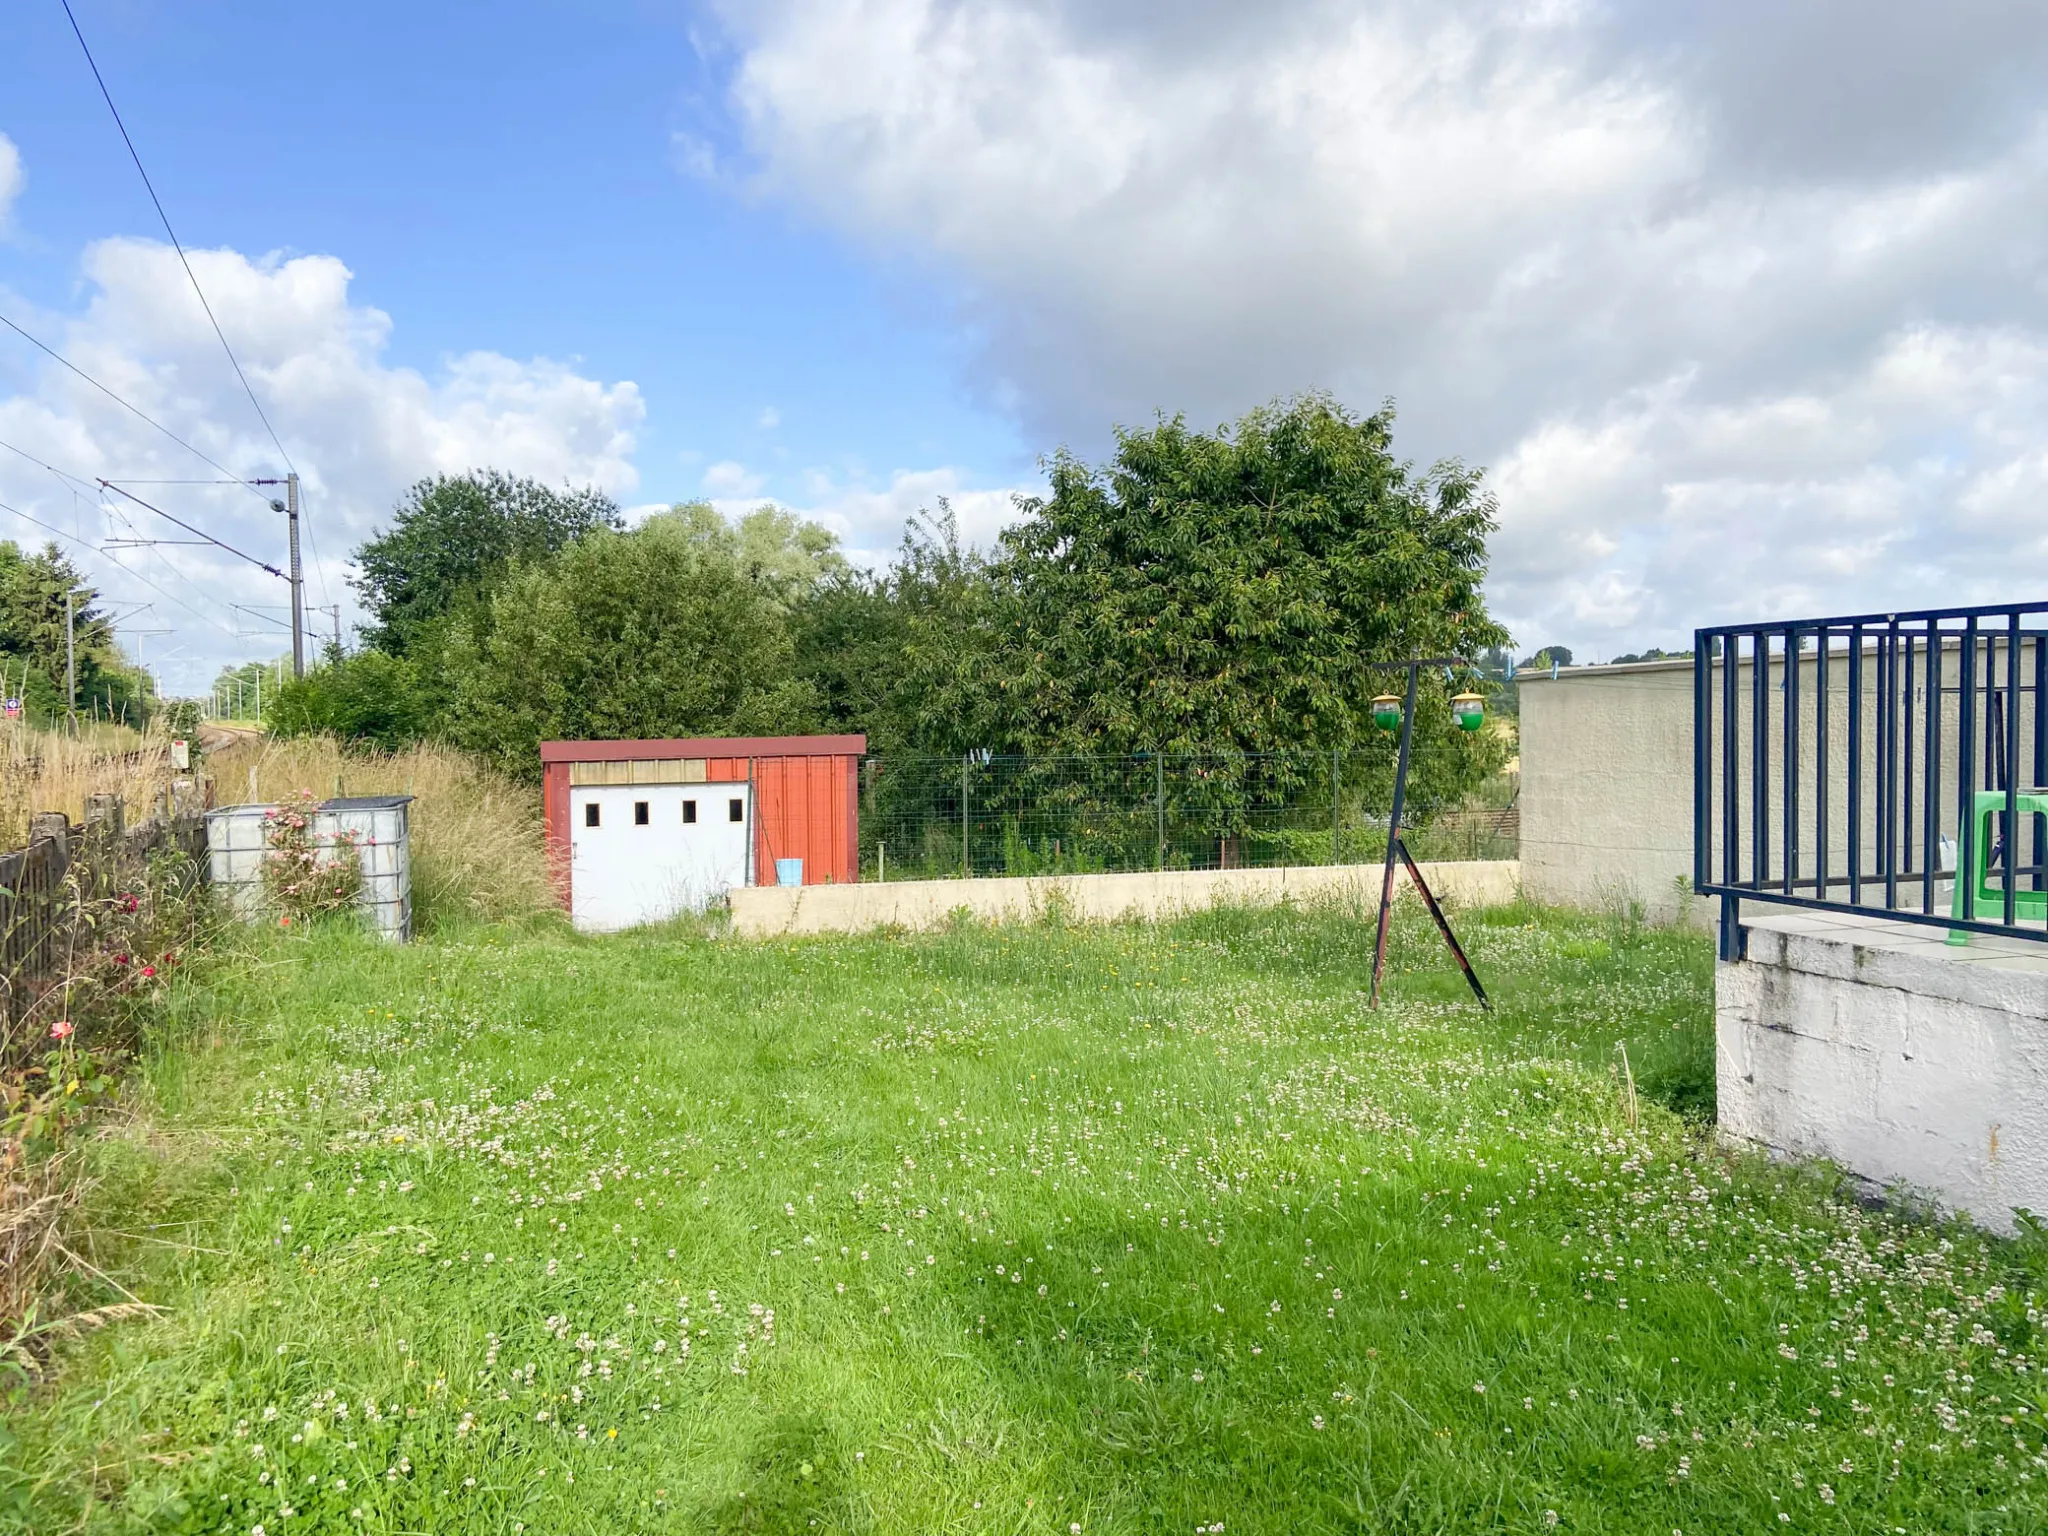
(857, 633)
(453, 537)
(368, 697)
(663, 631)
(32, 588)
(788, 557)
(1216, 592)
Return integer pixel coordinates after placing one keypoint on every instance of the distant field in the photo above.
(1031, 1230)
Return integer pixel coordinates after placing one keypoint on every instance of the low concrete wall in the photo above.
(766, 911)
(1881, 1048)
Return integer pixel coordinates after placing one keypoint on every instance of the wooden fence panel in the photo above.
(44, 889)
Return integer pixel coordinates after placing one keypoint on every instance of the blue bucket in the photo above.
(789, 871)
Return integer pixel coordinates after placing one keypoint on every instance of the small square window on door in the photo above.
(639, 813)
(689, 813)
(590, 813)
(735, 810)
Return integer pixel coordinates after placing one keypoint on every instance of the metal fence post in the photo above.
(1159, 802)
(1336, 811)
(966, 827)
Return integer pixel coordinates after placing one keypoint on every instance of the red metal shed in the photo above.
(803, 792)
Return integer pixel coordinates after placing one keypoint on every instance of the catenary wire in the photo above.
(137, 410)
(190, 528)
(90, 484)
(124, 570)
(98, 483)
(178, 246)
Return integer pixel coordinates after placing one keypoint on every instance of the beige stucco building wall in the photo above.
(1607, 778)
(1606, 793)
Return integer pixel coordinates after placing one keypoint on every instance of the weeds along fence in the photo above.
(69, 892)
(477, 846)
(44, 771)
(991, 815)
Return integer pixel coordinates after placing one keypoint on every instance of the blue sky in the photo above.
(1740, 304)
(502, 177)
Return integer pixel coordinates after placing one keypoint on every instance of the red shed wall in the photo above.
(806, 796)
(554, 803)
(805, 808)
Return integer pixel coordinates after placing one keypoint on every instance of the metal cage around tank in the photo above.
(1888, 764)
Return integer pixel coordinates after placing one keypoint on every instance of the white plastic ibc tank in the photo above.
(234, 856)
(236, 843)
(382, 825)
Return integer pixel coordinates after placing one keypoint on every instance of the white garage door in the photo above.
(643, 852)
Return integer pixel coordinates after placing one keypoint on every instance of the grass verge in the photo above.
(1043, 1229)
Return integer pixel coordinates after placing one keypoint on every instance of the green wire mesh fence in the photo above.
(991, 815)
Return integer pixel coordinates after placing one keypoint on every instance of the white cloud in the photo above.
(769, 419)
(12, 178)
(693, 156)
(730, 479)
(1740, 302)
(870, 519)
(359, 431)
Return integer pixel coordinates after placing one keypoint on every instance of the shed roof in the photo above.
(703, 746)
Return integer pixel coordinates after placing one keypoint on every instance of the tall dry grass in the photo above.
(49, 771)
(477, 843)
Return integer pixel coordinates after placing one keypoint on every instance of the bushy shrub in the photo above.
(369, 697)
(301, 880)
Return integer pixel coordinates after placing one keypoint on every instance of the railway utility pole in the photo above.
(297, 580)
(70, 663)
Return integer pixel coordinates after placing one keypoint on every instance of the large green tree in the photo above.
(663, 631)
(1215, 592)
(857, 633)
(452, 538)
(32, 639)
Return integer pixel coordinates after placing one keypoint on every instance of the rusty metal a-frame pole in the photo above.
(1397, 849)
(1379, 943)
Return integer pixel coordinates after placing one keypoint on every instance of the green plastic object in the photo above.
(1469, 710)
(1989, 905)
(1386, 712)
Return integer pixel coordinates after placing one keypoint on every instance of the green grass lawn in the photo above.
(1128, 1229)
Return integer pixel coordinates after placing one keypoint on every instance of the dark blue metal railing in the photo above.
(1880, 764)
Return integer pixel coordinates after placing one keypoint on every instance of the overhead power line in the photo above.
(179, 246)
(190, 528)
(56, 356)
(176, 244)
(95, 483)
(117, 565)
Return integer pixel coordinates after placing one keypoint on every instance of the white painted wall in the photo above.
(1905, 1060)
(622, 874)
